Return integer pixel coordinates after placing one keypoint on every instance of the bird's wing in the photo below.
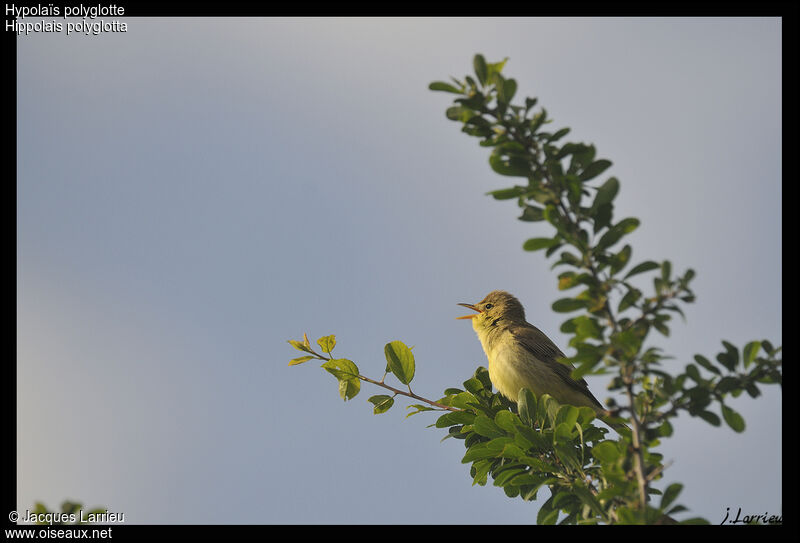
(545, 350)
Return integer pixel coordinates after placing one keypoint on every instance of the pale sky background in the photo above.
(195, 192)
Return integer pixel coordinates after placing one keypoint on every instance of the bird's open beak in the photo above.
(472, 307)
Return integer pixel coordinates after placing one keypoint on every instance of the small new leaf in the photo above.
(300, 346)
(300, 360)
(327, 343)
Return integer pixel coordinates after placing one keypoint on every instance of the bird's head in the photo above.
(497, 305)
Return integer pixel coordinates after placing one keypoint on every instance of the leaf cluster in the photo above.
(537, 445)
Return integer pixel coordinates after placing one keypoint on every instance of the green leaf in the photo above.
(536, 244)
(615, 233)
(547, 515)
(734, 419)
(630, 298)
(606, 451)
(709, 417)
(506, 420)
(479, 63)
(538, 120)
(558, 135)
(474, 385)
(727, 384)
(455, 417)
(641, 268)
(419, 408)
(300, 346)
(566, 305)
(691, 371)
(480, 471)
(461, 400)
(589, 499)
(488, 449)
(507, 90)
(348, 388)
(694, 520)
(570, 279)
(546, 409)
(459, 113)
(507, 194)
(532, 214)
(400, 361)
(752, 390)
(606, 193)
(327, 343)
(474, 101)
(602, 217)
(487, 427)
(750, 352)
(670, 494)
(478, 126)
(620, 260)
(505, 164)
(341, 368)
(730, 357)
(446, 87)
(666, 270)
(703, 361)
(300, 360)
(382, 403)
(526, 406)
(594, 169)
(347, 374)
(567, 414)
(494, 68)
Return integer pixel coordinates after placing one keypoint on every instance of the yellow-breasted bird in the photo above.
(520, 355)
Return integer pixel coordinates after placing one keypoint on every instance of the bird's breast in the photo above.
(509, 367)
(512, 367)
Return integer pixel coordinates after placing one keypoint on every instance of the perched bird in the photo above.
(520, 355)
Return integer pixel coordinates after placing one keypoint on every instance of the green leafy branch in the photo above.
(733, 374)
(399, 362)
(522, 446)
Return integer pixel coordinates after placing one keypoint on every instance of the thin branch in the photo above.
(408, 394)
(380, 383)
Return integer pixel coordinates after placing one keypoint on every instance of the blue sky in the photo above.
(194, 192)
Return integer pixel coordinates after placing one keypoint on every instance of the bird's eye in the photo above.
(488, 306)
